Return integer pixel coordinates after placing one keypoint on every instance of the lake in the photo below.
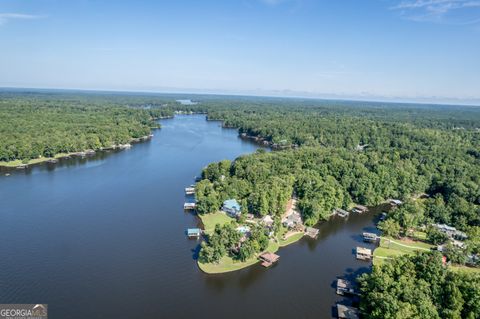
(104, 237)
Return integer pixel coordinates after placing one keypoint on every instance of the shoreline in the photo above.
(18, 165)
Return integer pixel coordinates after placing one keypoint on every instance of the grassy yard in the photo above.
(227, 264)
(464, 269)
(210, 220)
(290, 240)
(32, 161)
(390, 248)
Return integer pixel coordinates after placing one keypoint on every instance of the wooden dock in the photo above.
(370, 237)
(311, 232)
(345, 287)
(340, 212)
(190, 190)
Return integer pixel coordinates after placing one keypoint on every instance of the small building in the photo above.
(340, 212)
(292, 220)
(190, 190)
(347, 312)
(312, 232)
(364, 253)
(345, 287)
(194, 232)
(268, 259)
(232, 208)
(359, 209)
(370, 237)
(189, 206)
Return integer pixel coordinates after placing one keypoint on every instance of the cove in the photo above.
(103, 237)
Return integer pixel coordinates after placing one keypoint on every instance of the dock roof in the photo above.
(347, 312)
(364, 251)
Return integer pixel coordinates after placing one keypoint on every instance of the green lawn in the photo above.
(465, 269)
(210, 220)
(227, 264)
(390, 248)
(290, 240)
(32, 161)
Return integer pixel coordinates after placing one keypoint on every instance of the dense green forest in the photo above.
(419, 287)
(351, 153)
(40, 124)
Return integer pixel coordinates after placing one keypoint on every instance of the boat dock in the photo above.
(268, 259)
(347, 312)
(370, 237)
(190, 190)
(340, 212)
(364, 253)
(189, 206)
(194, 232)
(345, 287)
(311, 232)
(360, 209)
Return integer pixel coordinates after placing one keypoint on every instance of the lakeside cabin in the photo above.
(347, 312)
(363, 253)
(345, 287)
(194, 232)
(189, 206)
(312, 232)
(370, 237)
(232, 208)
(190, 190)
(340, 212)
(268, 259)
(359, 209)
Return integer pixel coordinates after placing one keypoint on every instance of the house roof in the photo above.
(232, 204)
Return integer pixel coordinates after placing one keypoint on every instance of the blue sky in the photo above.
(418, 50)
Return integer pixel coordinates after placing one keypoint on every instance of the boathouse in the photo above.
(347, 312)
(360, 209)
(189, 206)
(232, 208)
(364, 253)
(190, 190)
(194, 232)
(311, 232)
(345, 287)
(340, 212)
(268, 259)
(370, 237)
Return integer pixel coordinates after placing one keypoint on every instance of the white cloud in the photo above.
(5, 17)
(439, 10)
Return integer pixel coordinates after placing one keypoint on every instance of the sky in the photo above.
(403, 50)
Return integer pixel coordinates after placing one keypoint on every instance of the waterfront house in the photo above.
(364, 253)
(232, 208)
(359, 209)
(267, 221)
(450, 231)
(194, 232)
(347, 312)
(292, 220)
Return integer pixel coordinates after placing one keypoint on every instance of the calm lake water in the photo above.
(103, 237)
